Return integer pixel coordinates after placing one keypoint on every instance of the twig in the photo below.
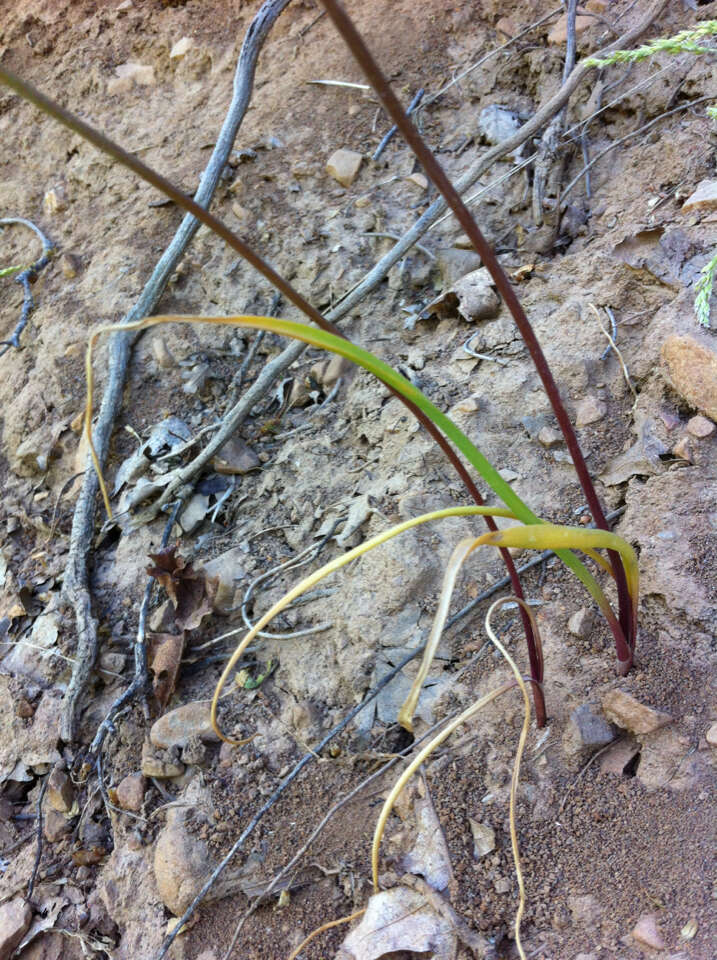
(548, 166)
(584, 770)
(628, 136)
(340, 83)
(238, 381)
(24, 278)
(611, 343)
(306, 556)
(141, 671)
(38, 851)
(487, 56)
(76, 585)
(394, 237)
(481, 356)
(394, 129)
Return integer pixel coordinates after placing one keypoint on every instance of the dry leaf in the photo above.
(165, 657)
(190, 590)
(395, 920)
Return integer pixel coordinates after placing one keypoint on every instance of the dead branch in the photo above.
(76, 586)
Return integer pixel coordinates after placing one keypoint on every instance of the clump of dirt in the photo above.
(611, 831)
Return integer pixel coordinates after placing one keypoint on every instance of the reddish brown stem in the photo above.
(624, 641)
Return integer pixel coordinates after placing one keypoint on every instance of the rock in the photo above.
(506, 26)
(162, 354)
(34, 660)
(130, 792)
(627, 712)
(684, 449)
(54, 201)
(129, 74)
(647, 932)
(585, 909)
(194, 513)
(24, 709)
(483, 838)
(110, 665)
(55, 826)
(70, 265)
(558, 35)
(328, 372)
(235, 457)
(700, 427)
(228, 570)
(502, 885)
(582, 623)
(15, 917)
(588, 730)
(60, 793)
(590, 410)
(711, 735)
(343, 166)
(636, 461)
(454, 264)
(180, 48)
(549, 437)
(619, 756)
(176, 727)
(418, 180)
(182, 858)
(705, 196)
(692, 370)
(155, 766)
(496, 124)
(477, 300)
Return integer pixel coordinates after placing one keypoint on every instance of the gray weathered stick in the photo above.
(76, 587)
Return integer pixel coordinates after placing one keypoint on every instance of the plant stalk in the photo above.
(624, 641)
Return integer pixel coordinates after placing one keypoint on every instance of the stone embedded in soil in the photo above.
(586, 909)
(589, 728)
(128, 74)
(55, 826)
(647, 932)
(235, 457)
(228, 569)
(477, 300)
(590, 410)
(483, 838)
(15, 917)
(704, 196)
(162, 354)
(176, 727)
(418, 180)
(684, 449)
(60, 791)
(692, 370)
(159, 767)
(711, 735)
(130, 792)
(180, 48)
(559, 33)
(700, 427)
(549, 437)
(624, 710)
(343, 166)
(582, 623)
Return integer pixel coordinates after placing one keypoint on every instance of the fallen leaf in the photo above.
(190, 590)
(165, 657)
(395, 920)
